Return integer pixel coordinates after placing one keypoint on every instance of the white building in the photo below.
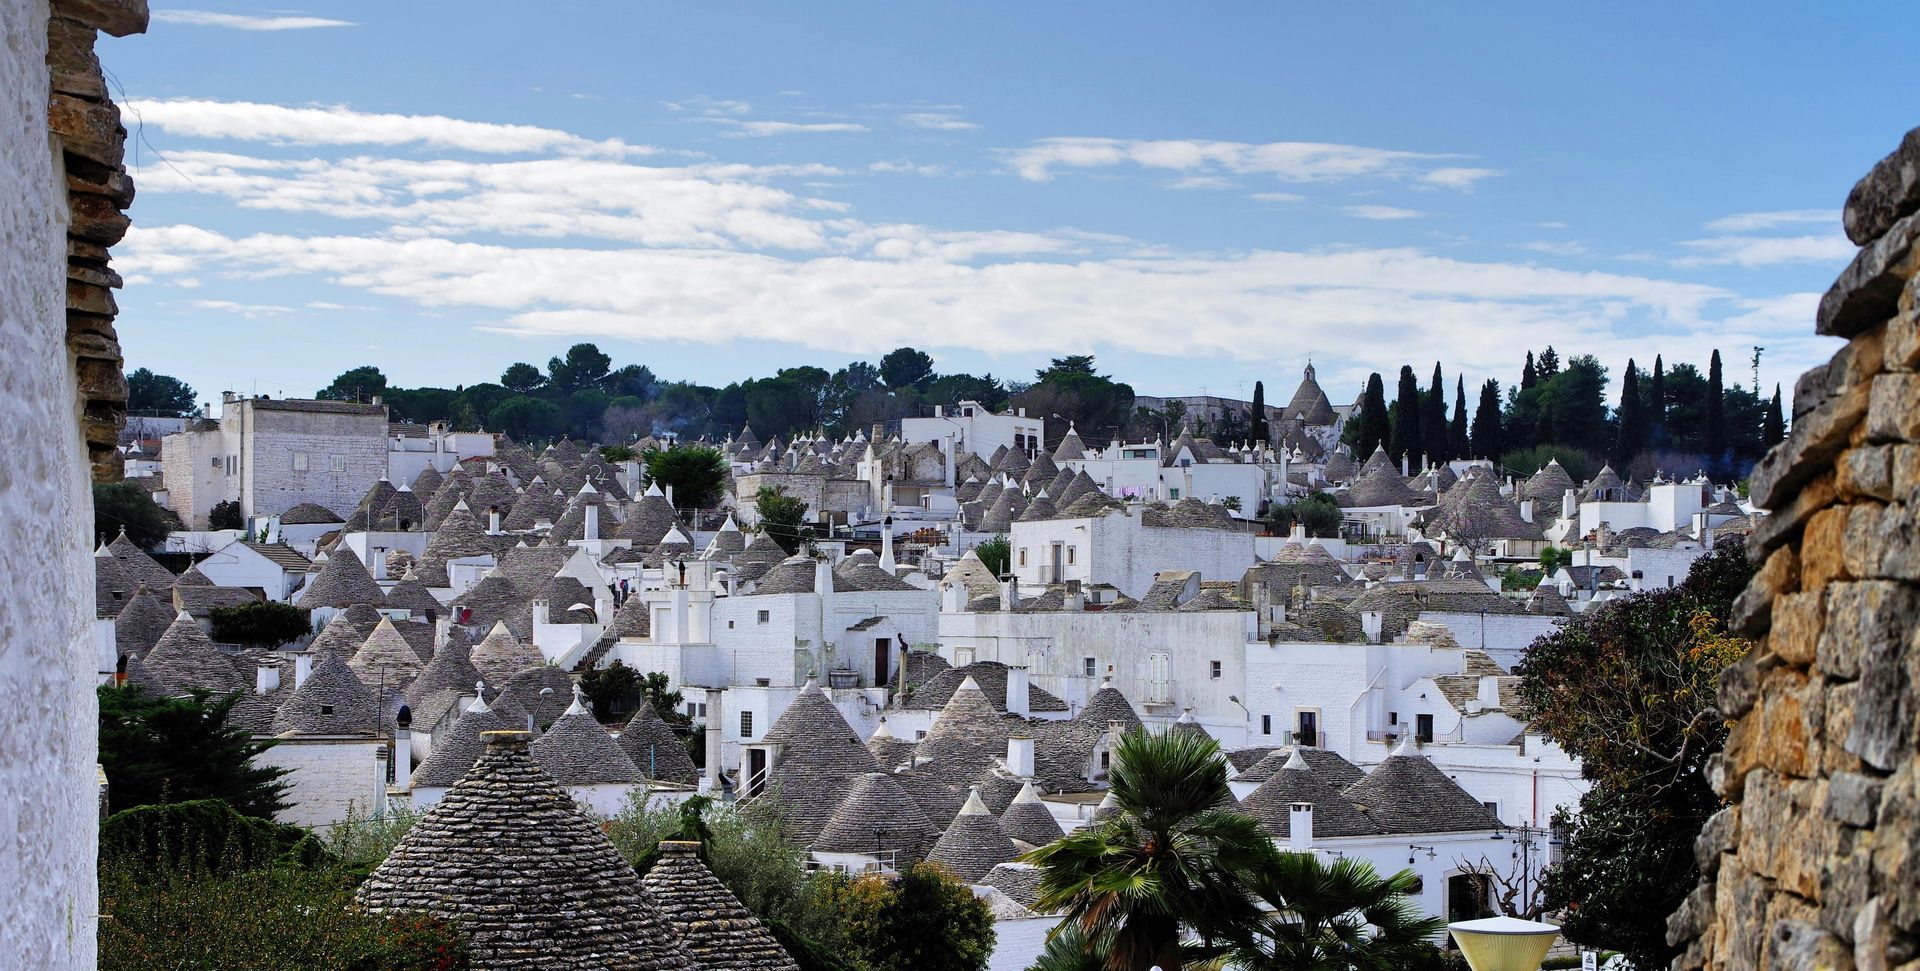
(973, 427)
(1127, 548)
(412, 449)
(271, 455)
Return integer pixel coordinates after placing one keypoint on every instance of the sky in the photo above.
(1201, 195)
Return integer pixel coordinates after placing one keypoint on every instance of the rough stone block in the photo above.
(1717, 836)
(1740, 686)
(1865, 472)
(1770, 531)
(1814, 441)
(1802, 946)
(1883, 542)
(1833, 755)
(115, 184)
(1896, 836)
(1778, 575)
(88, 129)
(116, 17)
(1868, 290)
(1889, 191)
(1797, 619)
(1906, 474)
(100, 378)
(99, 276)
(1846, 881)
(1883, 708)
(83, 298)
(1791, 717)
(1900, 350)
(1822, 559)
(1893, 411)
(95, 219)
(1859, 359)
(1809, 390)
(1853, 799)
(74, 68)
(1739, 917)
(1867, 616)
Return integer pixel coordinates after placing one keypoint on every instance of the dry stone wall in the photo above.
(1815, 861)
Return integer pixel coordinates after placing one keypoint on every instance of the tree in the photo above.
(1433, 418)
(1371, 430)
(158, 750)
(522, 378)
(158, 395)
(1547, 365)
(1487, 440)
(1716, 443)
(124, 505)
(1170, 859)
(904, 367)
(610, 690)
(1631, 436)
(1318, 514)
(1579, 463)
(630, 381)
(583, 410)
(1574, 401)
(1529, 375)
(1459, 446)
(1630, 689)
(1773, 428)
(1070, 389)
(995, 553)
(1657, 405)
(696, 474)
(265, 624)
(1257, 419)
(225, 514)
(527, 418)
(919, 920)
(782, 517)
(355, 384)
(583, 367)
(1337, 914)
(1404, 442)
(951, 389)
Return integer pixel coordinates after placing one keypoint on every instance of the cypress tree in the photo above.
(1528, 375)
(1373, 419)
(1258, 423)
(1433, 418)
(1487, 443)
(1773, 427)
(1457, 445)
(1404, 440)
(1716, 412)
(1656, 411)
(1631, 435)
(1549, 364)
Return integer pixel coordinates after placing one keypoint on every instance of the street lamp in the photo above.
(1503, 943)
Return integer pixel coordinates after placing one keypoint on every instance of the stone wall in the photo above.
(1815, 861)
(49, 792)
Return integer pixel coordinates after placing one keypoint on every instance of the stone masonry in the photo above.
(1815, 861)
(93, 146)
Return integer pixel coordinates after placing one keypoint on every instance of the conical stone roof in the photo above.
(1028, 820)
(1549, 485)
(875, 816)
(342, 582)
(458, 535)
(576, 751)
(1333, 815)
(819, 758)
(1408, 794)
(973, 844)
(500, 655)
(715, 928)
(411, 595)
(386, 658)
(185, 658)
(888, 749)
(332, 701)
(655, 750)
(341, 636)
(445, 678)
(141, 623)
(453, 755)
(138, 566)
(531, 882)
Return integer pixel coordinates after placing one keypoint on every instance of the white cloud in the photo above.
(708, 106)
(1748, 222)
(208, 18)
(1454, 177)
(339, 125)
(937, 120)
(1279, 197)
(907, 168)
(1285, 161)
(1382, 212)
(1555, 247)
(251, 311)
(1550, 225)
(1766, 250)
(762, 129)
(1202, 182)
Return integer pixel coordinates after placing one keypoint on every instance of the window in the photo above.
(729, 625)
(919, 735)
(1393, 718)
(765, 616)
(1309, 725)
(1493, 809)
(746, 724)
(326, 709)
(1090, 666)
(1423, 728)
(692, 709)
(217, 462)
(339, 463)
(299, 461)
(1023, 556)
(1213, 670)
(1106, 759)
(1173, 492)
(1266, 724)
(762, 682)
(1070, 556)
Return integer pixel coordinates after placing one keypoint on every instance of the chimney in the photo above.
(710, 780)
(593, 523)
(1018, 698)
(442, 629)
(381, 776)
(879, 433)
(886, 541)
(822, 578)
(1526, 510)
(493, 520)
(302, 666)
(1300, 827)
(1009, 592)
(539, 613)
(266, 678)
(1569, 504)
(1489, 692)
(377, 559)
(1020, 756)
(403, 745)
(1076, 597)
(1370, 623)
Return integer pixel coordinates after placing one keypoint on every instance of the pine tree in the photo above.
(1529, 375)
(1404, 443)
(1433, 414)
(1373, 418)
(1487, 442)
(1716, 412)
(1258, 421)
(1548, 365)
(157, 750)
(1631, 434)
(1457, 445)
(1657, 405)
(1773, 428)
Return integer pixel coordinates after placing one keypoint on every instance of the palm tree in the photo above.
(1169, 859)
(1333, 915)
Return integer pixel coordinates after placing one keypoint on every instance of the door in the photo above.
(1059, 560)
(882, 661)
(756, 770)
(1309, 733)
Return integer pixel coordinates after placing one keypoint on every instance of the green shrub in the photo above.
(265, 624)
(203, 834)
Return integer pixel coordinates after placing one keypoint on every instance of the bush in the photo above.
(204, 834)
(996, 554)
(124, 505)
(920, 920)
(1318, 514)
(1579, 463)
(362, 840)
(267, 624)
(164, 750)
(263, 919)
(225, 514)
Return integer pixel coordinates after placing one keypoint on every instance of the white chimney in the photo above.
(539, 612)
(1300, 827)
(1009, 593)
(822, 578)
(886, 542)
(1370, 623)
(402, 753)
(266, 678)
(710, 780)
(1489, 692)
(1020, 756)
(380, 776)
(1526, 510)
(1569, 504)
(493, 520)
(593, 523)
(1017, 695)
(377, 558)
(302, 666)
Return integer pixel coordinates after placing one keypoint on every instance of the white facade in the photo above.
(1136, 472)
(975, 428)
(439, 449)
(271, 455)
(329, 774)
(1121, 550)
(239, 565)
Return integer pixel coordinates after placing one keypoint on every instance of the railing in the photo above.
(1310, 739)
(884, 861)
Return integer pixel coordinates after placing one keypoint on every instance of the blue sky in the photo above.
(1201, 195)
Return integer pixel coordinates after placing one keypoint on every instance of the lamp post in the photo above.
(1503, 943)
